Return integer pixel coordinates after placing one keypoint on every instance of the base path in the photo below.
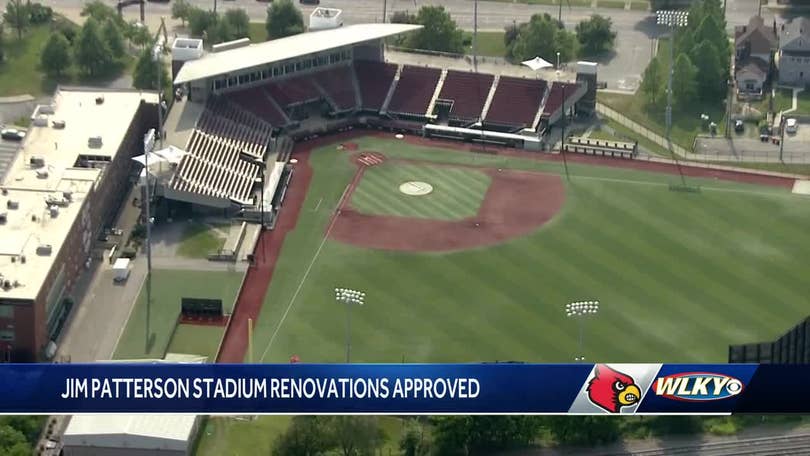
(516, 203)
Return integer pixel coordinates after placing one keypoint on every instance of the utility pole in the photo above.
(385, 8)
(562, 139)
(475, 36)
(673, 20)
(149, 146)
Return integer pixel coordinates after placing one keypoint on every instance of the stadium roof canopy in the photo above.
(224, 62)
(142, 432)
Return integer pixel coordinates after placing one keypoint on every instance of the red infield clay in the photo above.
(349, 146)
(204, 321)
(503, 215)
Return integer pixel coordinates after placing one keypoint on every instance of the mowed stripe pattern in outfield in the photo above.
(457, 192)
(680, 276)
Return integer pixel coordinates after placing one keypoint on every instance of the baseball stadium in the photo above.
(419, 214)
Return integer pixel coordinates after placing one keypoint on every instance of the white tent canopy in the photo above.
(169, 154)
(537, 64)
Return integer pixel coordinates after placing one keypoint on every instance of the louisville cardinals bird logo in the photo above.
(612, 390)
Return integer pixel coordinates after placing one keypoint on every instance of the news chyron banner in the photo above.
(499, 388)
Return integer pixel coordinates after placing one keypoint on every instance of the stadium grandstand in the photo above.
(240, 107)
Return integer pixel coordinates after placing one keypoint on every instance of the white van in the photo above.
(791, 126)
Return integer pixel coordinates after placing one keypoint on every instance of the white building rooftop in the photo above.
(144, 432)
(285, 48)
(44, 190)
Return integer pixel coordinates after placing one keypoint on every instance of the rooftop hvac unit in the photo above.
(40, 121)
(100, 100)
(44, 249)
(68, 195)
(3, 217)
(94, 142)
(58, 124)
(54, 211)
(42, 173)
(12, 204)
(37, 160)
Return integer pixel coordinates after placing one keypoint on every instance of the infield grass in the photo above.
(168, 287)
(680, 276)
(457, 192)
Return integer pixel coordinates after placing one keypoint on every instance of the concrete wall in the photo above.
(103, 451)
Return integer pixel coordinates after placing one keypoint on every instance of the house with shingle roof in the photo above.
(794, 52)
(754, 48)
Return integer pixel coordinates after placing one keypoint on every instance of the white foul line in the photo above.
(311, 263)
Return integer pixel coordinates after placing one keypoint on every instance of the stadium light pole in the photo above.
(580, 310)
(148, 147)
(349, 297)
(672, 19)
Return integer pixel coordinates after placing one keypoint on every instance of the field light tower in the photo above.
(580, 310)
(672, 19)
(349, 297)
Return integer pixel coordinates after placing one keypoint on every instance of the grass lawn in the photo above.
(640, 6)
(226, 436)
(197, 340)
(784, 101)
(200, 239)
(457, 192)
(20, 73)
(678, 284)
(257, 32)
(489, 44)
(777, 167)
(168, 287)
(625, 134)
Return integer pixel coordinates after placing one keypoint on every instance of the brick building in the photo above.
(66, 183)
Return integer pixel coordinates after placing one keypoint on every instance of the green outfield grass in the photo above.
(457, 192)
(680, 276)
(168, 287)
(197, 340)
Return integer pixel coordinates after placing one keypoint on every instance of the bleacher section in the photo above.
(414, 90)
(555, 99)
(257, 101)
(468, 92)
(214, 166)
(374, 78)
(338, 85)
(293, 91)
(516, 102)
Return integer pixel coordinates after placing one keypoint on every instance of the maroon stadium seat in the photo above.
(338, 84)
(468, 91)
(516, 101)
(414, 90)
(555, 97)
(375, 79)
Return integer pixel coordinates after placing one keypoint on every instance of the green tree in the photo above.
(652, 81)
(596, 35)
(439, 31)
(415, 441)
(305, 436)
(55, 57)
(712, 81)
(221, 32)
(17, 16)
(542, 36)
(238, 21)
(2, 43)
(451, 434)
(356, 435)
(583, 430)
(10, 437)
(92, 52)
(483, 434)
(684, 81)
(101, 11)
(114, 38)
(145, 75)
(181, 10)
(403, 17)
(40, 14)
(139, 35)
(201, 21)
(283, 19)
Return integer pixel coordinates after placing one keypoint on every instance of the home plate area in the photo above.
(369, 158)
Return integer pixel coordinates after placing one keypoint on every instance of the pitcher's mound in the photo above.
(416, 188)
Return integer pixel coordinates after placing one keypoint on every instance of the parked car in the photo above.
(791, 126)
(12, 134)
(309, 2)
(739, 126)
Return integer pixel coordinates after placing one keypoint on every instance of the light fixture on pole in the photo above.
(349, 297)
(672, 19)
(580, 310)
